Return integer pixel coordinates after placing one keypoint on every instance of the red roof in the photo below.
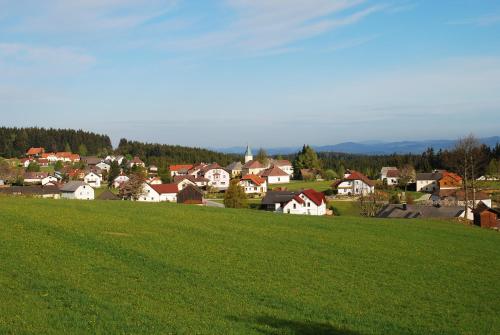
(181, 167)
(254, 179)
(392, 173)
(165, 188)
(35, 151)
(316, 197)
(355, 175)
(274, 171)
(255, 164)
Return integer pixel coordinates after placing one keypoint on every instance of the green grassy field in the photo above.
(70, 267)
(296, 185)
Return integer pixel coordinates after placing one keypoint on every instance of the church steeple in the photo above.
(248, 155)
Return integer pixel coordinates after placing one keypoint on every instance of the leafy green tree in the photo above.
(493, 168)
(262, 156)
(82, 150)
(306, 159)
(58, 166)
(33, 167)
(235, 196)
(164, 175)
(329, 174)
(114, 171)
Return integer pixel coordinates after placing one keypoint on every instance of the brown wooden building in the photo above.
(190, 195)
(486, 217)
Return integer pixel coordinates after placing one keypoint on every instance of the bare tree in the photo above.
(406, 175)
(466, 150)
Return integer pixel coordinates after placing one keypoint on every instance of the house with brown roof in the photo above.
(35, 152)
(437, 180)
(274, 175)
(389, 175)
(34, 177)
(217, 176)
(190, 195)
(486, 217)
(136, 161)
(354, 183)
(252, 167)
(253, 184)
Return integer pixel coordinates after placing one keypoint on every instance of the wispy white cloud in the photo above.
(23, 59)
(261, 26)
(486, 20)
(63, 16)
(352, 43)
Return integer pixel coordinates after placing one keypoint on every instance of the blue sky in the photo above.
(271, 73)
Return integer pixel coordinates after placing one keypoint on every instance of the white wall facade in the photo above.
(427, 185)
(354, 187)
(92, 179)
(218, 178)
(278, 179)
(84, 192)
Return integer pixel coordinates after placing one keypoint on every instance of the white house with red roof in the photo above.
(253, 184)
(354, 183)
(136, 161)
(159, 193)
(274, 175)
(216, 175)
(306, 202)
(180, 169)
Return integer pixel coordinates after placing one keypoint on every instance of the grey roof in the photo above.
(72, 186)
(108, 195)
(420, 211)
(275, 197)
(92, 160)
(31, 190)
(235, 166)
(429, 176)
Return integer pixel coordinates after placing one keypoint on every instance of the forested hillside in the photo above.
(15, 141)
(164, 154)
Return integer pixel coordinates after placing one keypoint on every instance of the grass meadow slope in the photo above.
(128, 268)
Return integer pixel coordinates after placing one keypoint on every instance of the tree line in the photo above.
(14, 142)
(163, 155)
(487, 161)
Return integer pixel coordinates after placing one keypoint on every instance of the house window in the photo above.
(294, 206)
(308, 204)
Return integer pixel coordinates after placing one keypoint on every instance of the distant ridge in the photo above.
(372, 147)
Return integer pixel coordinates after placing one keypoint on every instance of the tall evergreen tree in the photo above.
(235, 196)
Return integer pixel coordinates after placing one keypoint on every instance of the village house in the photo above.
(35, 152)
(190, 195)
(216, 175)
(37, 191)
(235, 169)
(78, 190)
(120, 180)
(354, 183)
(389, 175)
(67, 157)
(136, 161)
(306, 202)
(49, 181)
(25, 162)
(283, 164)
(159, 193)
(154, 181)
(456, 197)
(486, 217)
(50, 156)
(253, 184)
(34, 177)
(405, 211)
(43, 162)
(438, 180)
(252, 167)
(103, 166)
(183, 181)
(92, 179)
(180, 169)
(274, 175)
(91, 161)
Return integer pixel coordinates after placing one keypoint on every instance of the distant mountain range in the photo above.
(369, 147)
